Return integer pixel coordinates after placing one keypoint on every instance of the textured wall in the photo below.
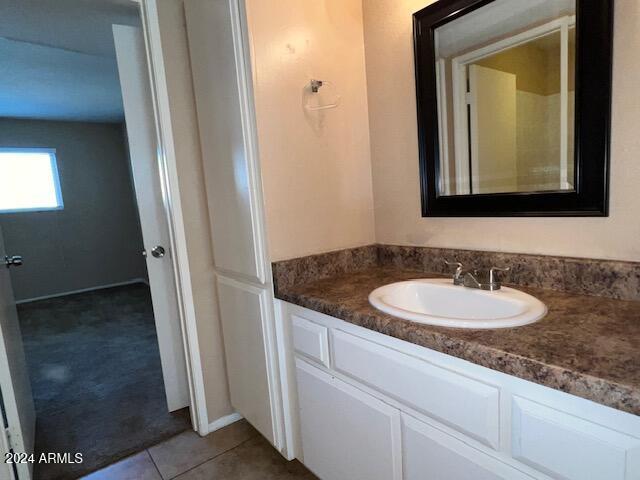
(394, 152)
(95, 240)
(315, 165)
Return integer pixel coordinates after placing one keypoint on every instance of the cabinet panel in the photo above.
(463, 403)
(569, 447)
(429, 454)
(243, 312)
(310, 339)
(226, 137)
(346, 434)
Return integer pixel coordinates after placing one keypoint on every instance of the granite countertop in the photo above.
(587, 346)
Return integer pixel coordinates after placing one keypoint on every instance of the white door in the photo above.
(493, 130)
(18, 433)
(139, 117)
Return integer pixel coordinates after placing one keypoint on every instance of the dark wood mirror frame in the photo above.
(594, 31)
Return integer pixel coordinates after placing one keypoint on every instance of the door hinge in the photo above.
(467, 98)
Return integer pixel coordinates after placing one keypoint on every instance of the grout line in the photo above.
(154, 463)
(215, 456)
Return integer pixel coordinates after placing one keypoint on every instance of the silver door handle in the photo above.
(13, 260)
(158, 251)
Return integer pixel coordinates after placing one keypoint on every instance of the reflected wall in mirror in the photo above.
(497, 102)
(510, 91)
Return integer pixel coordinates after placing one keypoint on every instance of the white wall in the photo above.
(315, 166)
(394, 153)
(194, 205)
(96, 239)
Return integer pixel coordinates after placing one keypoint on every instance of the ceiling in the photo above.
(497, 20)
(57, 59)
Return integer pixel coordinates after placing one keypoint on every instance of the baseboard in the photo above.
(84, 290)
(223, 422)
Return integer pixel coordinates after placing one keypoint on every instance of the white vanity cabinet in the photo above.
(431, 454)
(465, 404)
(347, 433)
(371, 407)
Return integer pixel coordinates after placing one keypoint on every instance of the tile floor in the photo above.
(236, 452)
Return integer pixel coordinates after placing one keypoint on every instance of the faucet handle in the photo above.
(457, 276)
(454, 264)
(496, 269)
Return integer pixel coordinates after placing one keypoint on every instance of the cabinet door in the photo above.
(572, 448)
(222, 88)
(346, 434)
(227, 138)
(243, 310)
(430, 454)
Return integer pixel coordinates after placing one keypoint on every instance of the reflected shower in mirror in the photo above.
(506, 95)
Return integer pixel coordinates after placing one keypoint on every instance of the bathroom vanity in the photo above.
(391, 372)
(379, 397)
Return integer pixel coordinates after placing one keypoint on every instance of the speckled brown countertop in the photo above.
(587, 346)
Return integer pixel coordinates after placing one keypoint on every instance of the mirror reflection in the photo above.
(506, 95)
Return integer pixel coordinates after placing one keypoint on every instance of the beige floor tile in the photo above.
(253, 460)
(136, 467)
(187, 450)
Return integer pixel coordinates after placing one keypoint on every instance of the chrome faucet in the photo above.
(477, 278)
(458, 276)
(484, 280)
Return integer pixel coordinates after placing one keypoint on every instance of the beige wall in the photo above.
(315, 166)
(537, 70)
(394, 153)
(194, 205)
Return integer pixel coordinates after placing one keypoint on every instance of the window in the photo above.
(30, 180)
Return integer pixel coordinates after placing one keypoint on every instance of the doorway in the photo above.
(86, 238)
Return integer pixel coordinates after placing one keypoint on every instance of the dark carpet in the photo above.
(97, 382)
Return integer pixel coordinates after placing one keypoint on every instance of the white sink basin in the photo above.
(436, 301)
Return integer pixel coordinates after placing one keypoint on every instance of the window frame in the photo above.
(53, 159)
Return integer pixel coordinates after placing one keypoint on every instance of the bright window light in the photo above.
(30, 180)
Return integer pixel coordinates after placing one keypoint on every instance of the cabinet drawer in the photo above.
(310, 340)
(470, 406)
(430, 453)
(571, 448)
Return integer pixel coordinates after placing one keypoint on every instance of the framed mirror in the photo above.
(513, 101)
